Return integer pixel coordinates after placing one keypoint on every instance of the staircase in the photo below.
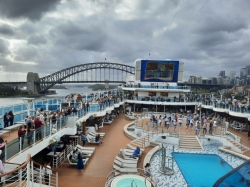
(240, 146)
(141, 141)
(189, 142)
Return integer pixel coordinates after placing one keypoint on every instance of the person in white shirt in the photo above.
(227, 125)
(159, 121)
(191, 123)
(214, 126)
(46, 172)
(180, 120)
(38, 112)
(175, 124)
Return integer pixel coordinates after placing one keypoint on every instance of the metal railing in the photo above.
(17, 176)
(57, 159)
(37, 175)
(24, 142)
(27, 174)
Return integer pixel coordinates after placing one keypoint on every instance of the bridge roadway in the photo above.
(22, 83)
(98, 72)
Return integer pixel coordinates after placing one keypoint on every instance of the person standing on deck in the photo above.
(38, 125)
(21, 134)
(83, 139)
(180, 120)
(11, 117)
(1, 168)
(6, 119)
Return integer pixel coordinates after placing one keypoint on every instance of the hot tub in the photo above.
(126, 181)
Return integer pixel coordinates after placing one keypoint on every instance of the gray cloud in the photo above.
(26, 54)
(76, 32)
(4, 47)
(36, 39)
(26, 8)
(78, 37)
(6, 30)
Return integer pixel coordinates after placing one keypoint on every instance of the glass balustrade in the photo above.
(17, 145)
(156, 87)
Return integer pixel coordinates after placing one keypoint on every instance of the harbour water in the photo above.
(60, 93)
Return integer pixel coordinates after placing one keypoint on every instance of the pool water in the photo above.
(201, 170)
(126, 182)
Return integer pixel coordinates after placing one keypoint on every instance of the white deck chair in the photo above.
(92, 133)
(128, 152)
(85, 148)
(125, 170)
(124, 165)
(91, 140)
(132, 147)
(86, 151)
(85, 161)
(126, 157)
(126, 161)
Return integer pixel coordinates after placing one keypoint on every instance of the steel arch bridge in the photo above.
(98, 72)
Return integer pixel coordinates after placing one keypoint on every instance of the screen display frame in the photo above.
(154, 75)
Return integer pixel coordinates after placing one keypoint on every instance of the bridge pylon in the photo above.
(31, 86)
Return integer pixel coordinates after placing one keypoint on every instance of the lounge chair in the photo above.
(132, 147)
(126, 157)
(85, 161)
(124, 165)
(107, 122)
(86, 153)
(91, 140)
(85, 148)
(126, 161)
(129, 151)
(94, 134)
(125, 170)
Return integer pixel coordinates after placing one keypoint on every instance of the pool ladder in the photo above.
(133, 181)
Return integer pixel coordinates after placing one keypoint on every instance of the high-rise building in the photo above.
(195, 79)
(222, 74)
(243, 73)
(232, 74)
(248, 70)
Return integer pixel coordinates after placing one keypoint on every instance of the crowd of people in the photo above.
(35, 123)
(206, 124)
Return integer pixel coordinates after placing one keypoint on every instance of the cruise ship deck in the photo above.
(100, 164)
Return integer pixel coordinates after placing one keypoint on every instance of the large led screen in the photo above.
(159, 71)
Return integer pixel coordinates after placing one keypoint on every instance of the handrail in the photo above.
(41, 165)
(216, 184)
(12, 163)
(133, 181)
(16, 169)
(62, 151)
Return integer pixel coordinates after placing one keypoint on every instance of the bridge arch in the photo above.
(61, 76)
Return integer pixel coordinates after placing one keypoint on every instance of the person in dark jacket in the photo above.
(21, 134)
(11, 117)
(6, 119)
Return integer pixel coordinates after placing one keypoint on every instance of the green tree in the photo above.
(227, 95)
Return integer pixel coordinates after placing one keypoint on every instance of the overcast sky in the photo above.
(45, 36)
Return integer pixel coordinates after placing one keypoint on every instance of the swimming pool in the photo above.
(201, 170)
(126, 181)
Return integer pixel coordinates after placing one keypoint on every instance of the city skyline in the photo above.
(47, 36)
